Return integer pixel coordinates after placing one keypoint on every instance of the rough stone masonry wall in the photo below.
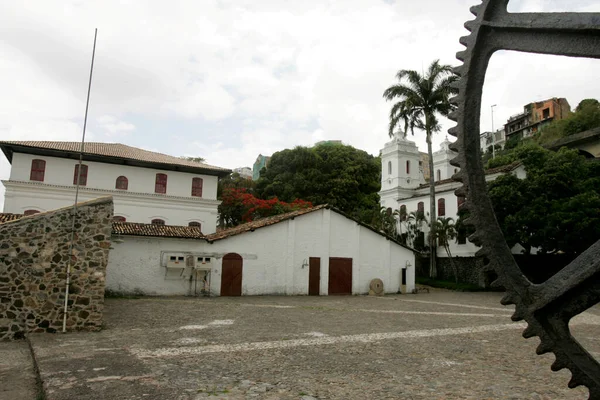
(34, 251)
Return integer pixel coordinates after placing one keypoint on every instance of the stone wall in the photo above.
(34, 251)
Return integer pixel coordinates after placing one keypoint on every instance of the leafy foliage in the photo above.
(194, 159)
(555, 208)
(235, 181)
(339, 175)
(239, 206)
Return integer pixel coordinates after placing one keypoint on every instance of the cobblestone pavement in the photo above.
(441, 345)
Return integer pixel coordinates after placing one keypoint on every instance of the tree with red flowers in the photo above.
(238, 206)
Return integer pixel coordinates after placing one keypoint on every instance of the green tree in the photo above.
(235, 181)
(336, 174)
(555, 208)
(419, 101)
(445, 231)
(194, 159)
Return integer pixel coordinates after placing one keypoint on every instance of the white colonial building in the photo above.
(147, 187)
(403, 185)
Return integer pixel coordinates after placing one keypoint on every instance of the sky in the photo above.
(230, 79)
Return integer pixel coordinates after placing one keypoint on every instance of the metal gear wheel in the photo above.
(547, 308)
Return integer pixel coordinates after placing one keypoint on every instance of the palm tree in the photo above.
(445, 231)
(420, 98)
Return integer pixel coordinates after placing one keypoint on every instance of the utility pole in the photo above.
(493, 144)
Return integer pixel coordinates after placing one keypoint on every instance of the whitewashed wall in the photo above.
(60, 171)
(137, 204)
(275, 258)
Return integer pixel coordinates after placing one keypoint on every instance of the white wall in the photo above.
(275, 258)
(60, 171)
(57, 190)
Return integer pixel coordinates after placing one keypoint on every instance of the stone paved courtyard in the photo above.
(442, 345)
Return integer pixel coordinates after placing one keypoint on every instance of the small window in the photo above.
(122, 183)
(30, 212)
(179, 258)
(207, 259)
(460, 201)
(82, 176)
(421, 207)
(408, 167)
(389, 167)
(160, 185)
(172, 258)
(38, 170)
(389, 211)
(158, 221)
(403, 215)
(195, 223)
(118, 218)
(197, 187)
(546, 113)
(441, 207)
(439, 175)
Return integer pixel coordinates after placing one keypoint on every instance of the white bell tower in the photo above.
(400, 174)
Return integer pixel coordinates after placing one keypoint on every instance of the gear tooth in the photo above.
(458, 70)
(453, 146)
(543, 348)
(508, 299)
(461, 191)
(558, 364)
(574, 382)
(482, 252)
(453, 115)
(498, 283)
(455, 100)
(475, 10)
(454, 132)
(461, 55)
(517, 315)
(470, 26)
(475, 238)
(529, 332)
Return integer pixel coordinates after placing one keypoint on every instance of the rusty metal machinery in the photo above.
(547, 308)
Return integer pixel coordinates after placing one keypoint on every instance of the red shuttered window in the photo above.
(38, 170)
(82, 176)
(160, 185)
(197, 184)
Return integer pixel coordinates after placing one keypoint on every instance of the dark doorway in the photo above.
(231, 275)
(314, 276)
(340, 275)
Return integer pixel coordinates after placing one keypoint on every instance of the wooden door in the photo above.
(231, 275)
(314, 276)
(340, 275)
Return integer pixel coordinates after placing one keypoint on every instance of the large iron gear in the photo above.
(547, 308)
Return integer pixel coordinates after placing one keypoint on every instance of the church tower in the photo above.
(400, 170)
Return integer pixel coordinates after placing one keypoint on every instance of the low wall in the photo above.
(34, 251)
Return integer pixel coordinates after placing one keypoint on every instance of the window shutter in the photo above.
(38, 170)
(441, 207)
(197, 184)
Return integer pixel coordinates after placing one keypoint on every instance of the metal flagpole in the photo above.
(74, 209)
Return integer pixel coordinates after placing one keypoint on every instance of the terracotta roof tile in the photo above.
(5, 217)
(259, 223)
(173, 231)
(114, 150)
(137, 229)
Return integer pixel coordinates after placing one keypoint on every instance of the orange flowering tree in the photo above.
(238, 206)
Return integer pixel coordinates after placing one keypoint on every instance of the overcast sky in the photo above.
(229, 79)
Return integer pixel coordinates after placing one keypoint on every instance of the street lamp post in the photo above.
(493, 144)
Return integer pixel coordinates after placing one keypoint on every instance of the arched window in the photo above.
(158, 221)
(408, 167)
(197, 187)
(439, 175)
(441, 207)
(82, 176)
(389, 167)
(195, 223)
(421, 207)
(403, 212)
(122, 183)
(118, 218)
(30, 212)
(389, 211)
(460, 201)
(160, 185)
(38, 170)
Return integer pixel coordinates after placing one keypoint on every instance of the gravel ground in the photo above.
(441, 345)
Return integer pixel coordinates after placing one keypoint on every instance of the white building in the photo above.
(147, 187)
(497, 139)
(403, 185)
(244, 172)
(316, 251)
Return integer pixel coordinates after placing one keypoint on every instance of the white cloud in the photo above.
(248, 76)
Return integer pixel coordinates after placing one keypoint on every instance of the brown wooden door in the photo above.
(340, 275)
(314, 276)
(231, 275)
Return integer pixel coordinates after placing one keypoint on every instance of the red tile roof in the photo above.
(172, 231)
(260, 223)
(137, 229)
(111, 150)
